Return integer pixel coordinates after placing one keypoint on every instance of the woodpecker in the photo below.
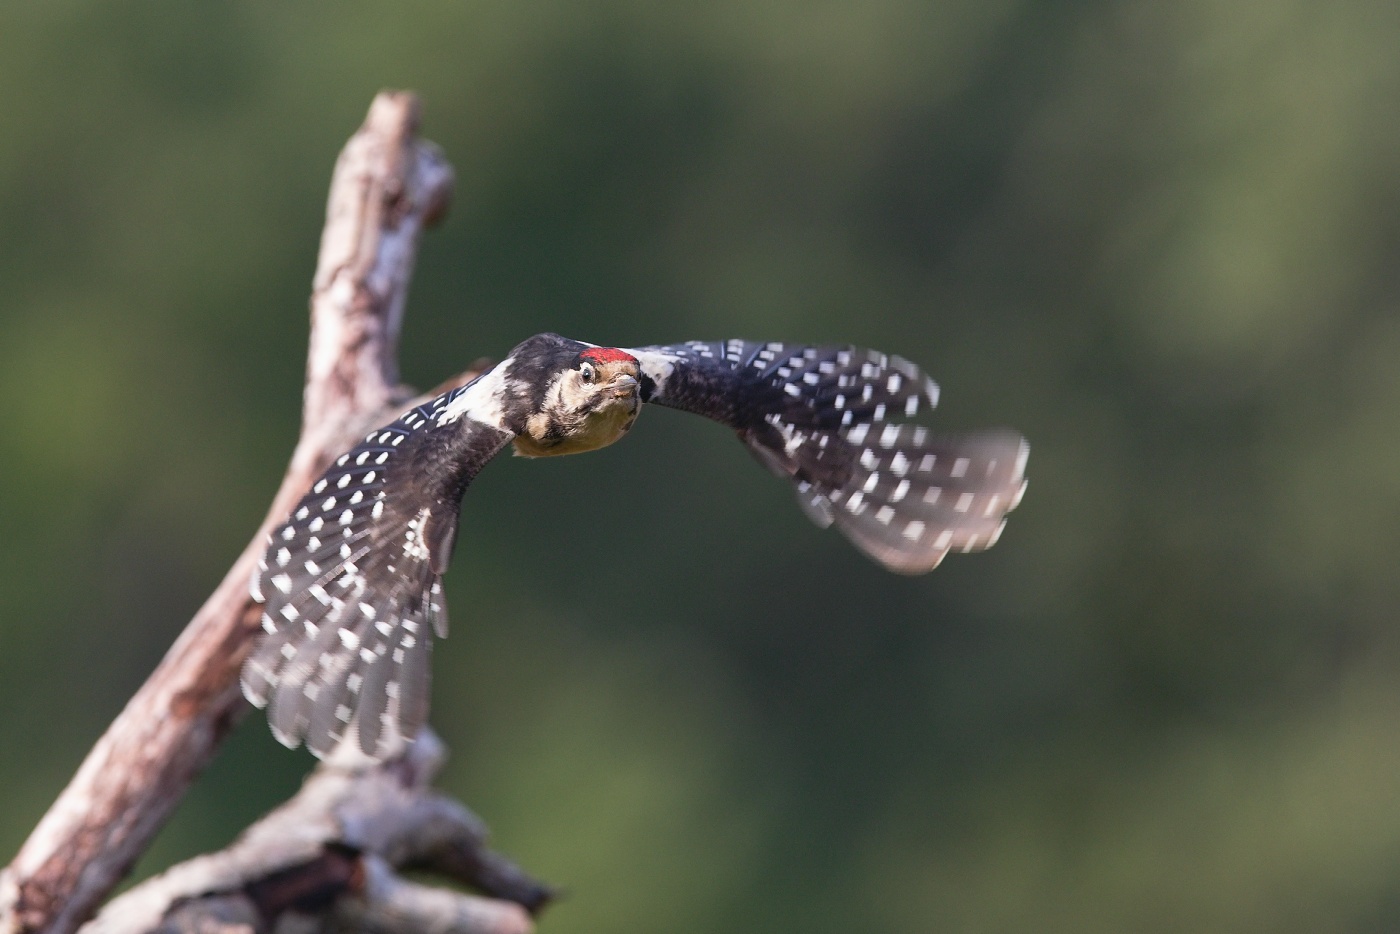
(351, 583)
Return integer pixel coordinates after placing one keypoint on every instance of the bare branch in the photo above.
(391, 905)
(328, 857)
(387, 186)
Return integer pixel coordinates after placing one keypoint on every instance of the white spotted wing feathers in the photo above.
(352, 590)
(351, 582)
(834, 421)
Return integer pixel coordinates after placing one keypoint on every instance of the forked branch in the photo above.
(328, 859)
(387, 186)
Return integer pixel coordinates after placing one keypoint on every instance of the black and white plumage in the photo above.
(351, 583)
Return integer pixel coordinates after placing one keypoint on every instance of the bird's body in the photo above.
(351, 582)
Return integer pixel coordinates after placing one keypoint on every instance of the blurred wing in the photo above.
(351, 583)
(826, 419)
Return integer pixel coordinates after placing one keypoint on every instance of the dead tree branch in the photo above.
(387, 186)
(326, 861)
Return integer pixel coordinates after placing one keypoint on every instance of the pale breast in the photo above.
(598, 430)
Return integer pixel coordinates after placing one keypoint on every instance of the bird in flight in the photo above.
(351, 583)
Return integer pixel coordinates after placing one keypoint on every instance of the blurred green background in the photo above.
(1160, 239)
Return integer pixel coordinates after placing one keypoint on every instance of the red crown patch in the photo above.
(606, 355)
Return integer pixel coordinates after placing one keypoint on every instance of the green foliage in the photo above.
(1157, 238)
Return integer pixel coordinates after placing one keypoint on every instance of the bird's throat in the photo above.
(549, 434)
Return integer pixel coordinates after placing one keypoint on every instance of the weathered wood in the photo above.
(387, 186)
(326, 861)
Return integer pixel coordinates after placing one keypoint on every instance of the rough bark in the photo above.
(387, 186)
(327, 860)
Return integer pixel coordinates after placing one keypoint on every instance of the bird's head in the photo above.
(591, 400)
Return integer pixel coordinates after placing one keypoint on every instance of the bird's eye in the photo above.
(587, 372)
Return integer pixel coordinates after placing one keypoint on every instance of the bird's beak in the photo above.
(623, 386)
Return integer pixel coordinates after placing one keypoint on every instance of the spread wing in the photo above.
(351, 583)
(830, 420)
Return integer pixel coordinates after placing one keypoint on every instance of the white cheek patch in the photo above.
(567, 393)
